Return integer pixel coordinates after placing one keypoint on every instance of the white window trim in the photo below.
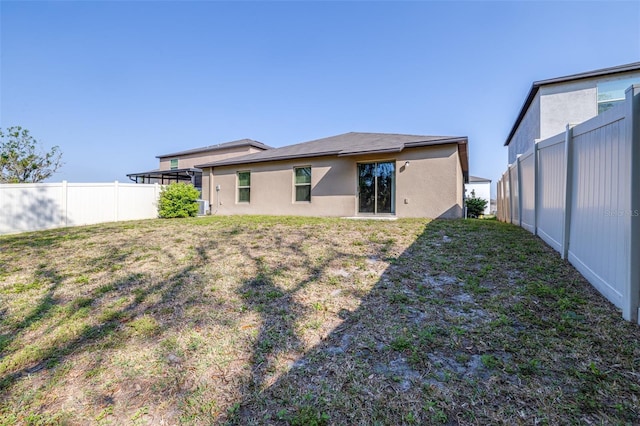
(242, 187)
(295, 185)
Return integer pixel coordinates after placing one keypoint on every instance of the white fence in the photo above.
(580, 192)
(36, 206)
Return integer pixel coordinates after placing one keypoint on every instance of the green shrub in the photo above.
(178, 200)
(475, 206)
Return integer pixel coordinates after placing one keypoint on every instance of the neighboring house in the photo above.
(479, 188)
(554, 103)
(353, 174)
(181, 166)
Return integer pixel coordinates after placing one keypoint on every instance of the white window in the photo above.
(610, 93)
(302, 183)
(244, 187)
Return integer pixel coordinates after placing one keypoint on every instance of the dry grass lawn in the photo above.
(262, 320)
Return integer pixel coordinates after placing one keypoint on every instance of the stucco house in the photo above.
(480, 188)
(348, 175)
(181, 166)
(552, 104)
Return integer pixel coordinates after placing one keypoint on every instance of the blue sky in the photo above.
(116, 83)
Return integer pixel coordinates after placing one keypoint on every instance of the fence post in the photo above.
(510, 194)
(519, 170)
(498, 200)
(65, 207)
(631, 309)
(115, 200)
(568, 189)
(503, 216)
(501, 186)
(536, 194)
(509, 199)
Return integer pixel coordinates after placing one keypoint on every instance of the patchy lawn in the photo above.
(260, 320)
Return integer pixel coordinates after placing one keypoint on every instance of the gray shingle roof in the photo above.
(232, 144)
(347, 144)
(635, 66)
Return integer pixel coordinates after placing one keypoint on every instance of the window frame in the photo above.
(609, 87)
(376, 176)
(296, 185)
(239, 187)
(172, 162)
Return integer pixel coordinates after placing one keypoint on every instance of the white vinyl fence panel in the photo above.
(500, 200)
(505, 196)
(514, 195)
(37, 206)
(90, 203)
(146, 202)
(550, 186)
(599, 230)
(580, 192)
(527, 192)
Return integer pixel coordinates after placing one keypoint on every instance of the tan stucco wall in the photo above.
(206, 187)
(460, 186)
(191, 160)
(432, 185)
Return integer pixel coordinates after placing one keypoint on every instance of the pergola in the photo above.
(165, 177)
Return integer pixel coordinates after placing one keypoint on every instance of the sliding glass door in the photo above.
(376, 188)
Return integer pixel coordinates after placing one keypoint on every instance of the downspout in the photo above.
(464, 198)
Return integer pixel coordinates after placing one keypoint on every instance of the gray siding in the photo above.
(528, 131)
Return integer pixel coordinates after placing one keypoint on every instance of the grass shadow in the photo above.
(80, 331)
(295, 321)
(452, 334)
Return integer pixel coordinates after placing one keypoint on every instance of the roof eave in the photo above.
(463, 154)
(254, 144)
(523, 110)
(444, 141)
(378, 151)
(238, 160)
